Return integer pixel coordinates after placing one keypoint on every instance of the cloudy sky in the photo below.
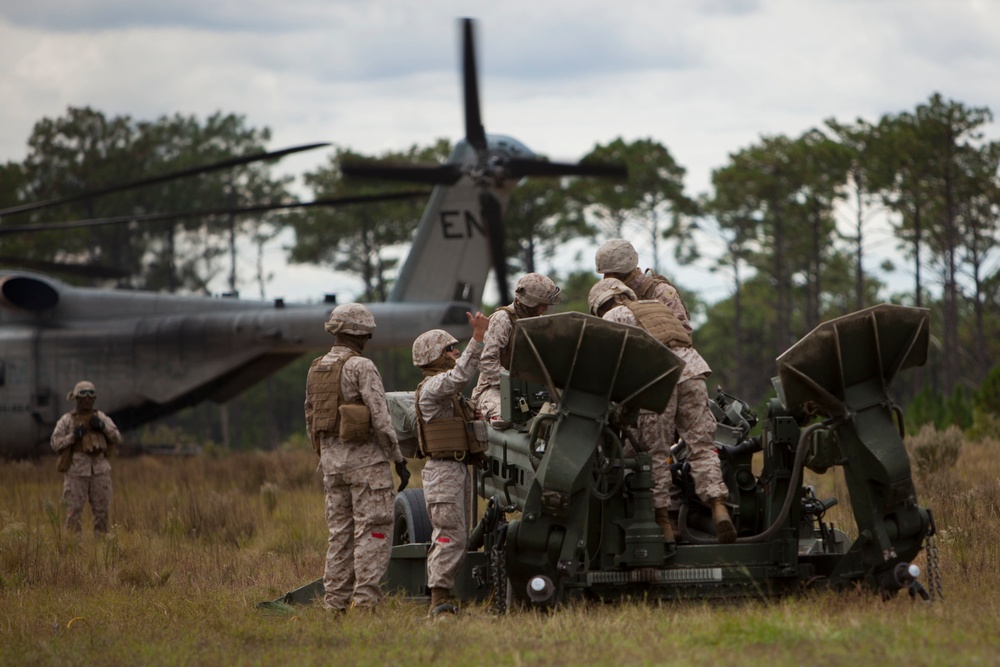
(704, 77)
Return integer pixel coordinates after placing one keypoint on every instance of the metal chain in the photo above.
(934, 587)
(498, 567)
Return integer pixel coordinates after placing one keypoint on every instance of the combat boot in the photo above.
(441, 603)
(725, 531)
(663, 521)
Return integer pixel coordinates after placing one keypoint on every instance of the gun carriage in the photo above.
(568, 515)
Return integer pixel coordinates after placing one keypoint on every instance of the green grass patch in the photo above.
(197, 543)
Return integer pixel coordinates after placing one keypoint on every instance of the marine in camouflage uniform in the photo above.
(688, 412)
(356, 474)
(533, 295)
(446, 481)
(83, 438)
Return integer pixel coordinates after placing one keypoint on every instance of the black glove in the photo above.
(80, 431)
(96, 423)
(404, 475)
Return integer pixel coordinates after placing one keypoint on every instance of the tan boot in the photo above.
(439, 596)
(725, 531)
(441, 602)
(663, 521)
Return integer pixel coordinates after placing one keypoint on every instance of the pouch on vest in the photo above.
(445, 438)
(323, 383)
(478, 436)
(65, 459)
(355, 422)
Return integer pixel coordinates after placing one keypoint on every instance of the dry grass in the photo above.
(197, 542)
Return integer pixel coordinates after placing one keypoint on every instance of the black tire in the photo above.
(411, 524)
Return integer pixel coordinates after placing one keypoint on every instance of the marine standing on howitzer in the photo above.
(83, 438)
(533, 295)
(688, 411)
(349, 427)
(451, 435)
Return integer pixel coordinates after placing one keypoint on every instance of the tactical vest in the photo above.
(94, 442)
(323, 385)
(647, 289)
(450, 437)
(661, 323)
(508, 347)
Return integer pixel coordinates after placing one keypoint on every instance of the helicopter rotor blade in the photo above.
(176, 215)
(474, 132)
(182, 173)
(520, 167)
(77, 270)
(489, 208)
(445, 174)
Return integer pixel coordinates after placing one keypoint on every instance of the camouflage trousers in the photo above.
(77, 490)
(359, 515)
(488, 403)
(651, 439)
(688, 413)
(446, 490)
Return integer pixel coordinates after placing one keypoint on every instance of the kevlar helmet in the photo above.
(79, 388)
(607, 289)
(430, 345)
(534, 289)
(351, 318)
(616, 256)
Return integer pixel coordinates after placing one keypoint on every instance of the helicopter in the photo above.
(154, 354)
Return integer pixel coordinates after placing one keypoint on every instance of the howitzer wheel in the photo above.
(411, 524)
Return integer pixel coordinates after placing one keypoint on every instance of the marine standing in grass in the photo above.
(83, 438)
(688, 412)
(451, 437)
(533, 295)
(349, 427)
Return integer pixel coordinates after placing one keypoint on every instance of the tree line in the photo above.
(785, 221)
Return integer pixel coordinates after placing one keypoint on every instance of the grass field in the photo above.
(198, 542)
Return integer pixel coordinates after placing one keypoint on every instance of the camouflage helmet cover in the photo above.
(606, 289)
(351, 318)
(534, 289)
(616, 256)
(430, 345)
(81, 386)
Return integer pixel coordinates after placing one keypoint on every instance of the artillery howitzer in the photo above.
(586, 527)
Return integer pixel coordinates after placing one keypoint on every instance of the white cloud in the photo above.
(704, 78)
